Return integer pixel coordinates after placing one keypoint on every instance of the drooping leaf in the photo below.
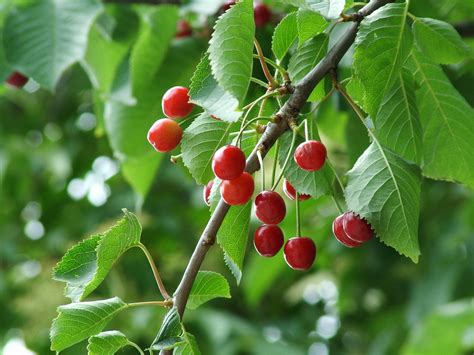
(200, 141)
(108, 343)
(170, 333)
(284, 35)
(439, 41)
(385, 189)
(310, 24)
(189, 347)
(207, 286)
(56, 37)
(448, 124)
(398, 124)
(157, 29)
(231, 49)
(381, 47)
(87, 264)
(141, 179)
(206, 92)
(78, 321)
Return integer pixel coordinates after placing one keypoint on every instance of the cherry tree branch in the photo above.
(289, 111)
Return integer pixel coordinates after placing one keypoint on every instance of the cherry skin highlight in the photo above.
(165, 135)
(341, 236)
(228, 162)
(238, 191)
(310, 155)
(261, 14)
(270, 207)
(17, 80)
(290, 191)
(175, 102)
(206, 192)
(357, 228)
(183, 29)
(268, 240)
(300, 253)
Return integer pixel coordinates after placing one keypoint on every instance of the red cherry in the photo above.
(17, 80)
(238, 191)
(291, 192)
(175, 102)
(270, 207)
(268, 240)
(300, 253)
(262, 14)
(228, 162)
(206, 192)
(310, 155)
(183, 29)
(357, 228)
(227, 5)
(341, 236)
(165, 135)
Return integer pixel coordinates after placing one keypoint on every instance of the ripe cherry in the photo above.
(341, 236)
(228, 162)
(238, 191)
(206, 192)
(17, 80)
(300, 253)
(291, 192)
(165, 135)
(357, 228)
(183, 29)
(268, 240)
(175, 102)
(310, 155)
(262, 14)
(270, 207)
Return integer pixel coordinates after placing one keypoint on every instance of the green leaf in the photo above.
(78, 321)
(444, 331)
(439, 41)
(317, 183)
(284, 35)
(328, 8)
(310, 24)
(86, 265)
(190, 346)
(231, 49)
(141, 179)
(170, 333)
(397, 124)
(207, 286)
(108, 343)
(200, 141)
(381, 47)
(206, 92)
(157, 29)
(56, 37)
(447, 121)
(385, 189)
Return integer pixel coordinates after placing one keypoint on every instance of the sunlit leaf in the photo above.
(108, 343)
(284, 35)
(207, 286)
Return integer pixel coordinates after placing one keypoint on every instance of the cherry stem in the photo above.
(306, 132)
(275, 65)
(287, 159)
(275, 160)
(341, 211)
(298, 224)
(253, 120)
(259, 82)
(262, 168)
(156, 274)
(267, 94)
(168, 303)
(271, 80)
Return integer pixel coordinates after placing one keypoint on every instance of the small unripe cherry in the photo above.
(262, 14)
(270, 207)
(300, 253)
(290, 191)
(268, 240)
(310, 155)
(183, 29)
(228, 162)
(165, 135)
(341, 236)
(206, 192)
(17, 80)
(238, 191)
(357, 228)
(175, 102)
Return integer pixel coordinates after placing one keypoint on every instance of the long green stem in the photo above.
(259, 82)
(167, 303)
(253, 120)
(271, 80)
(275, 65)
(156, 274)
(253, 103)
(131, 343)
(341, 211)
(275, 161)
(262, 169)
(287, 159)
(298, 217)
